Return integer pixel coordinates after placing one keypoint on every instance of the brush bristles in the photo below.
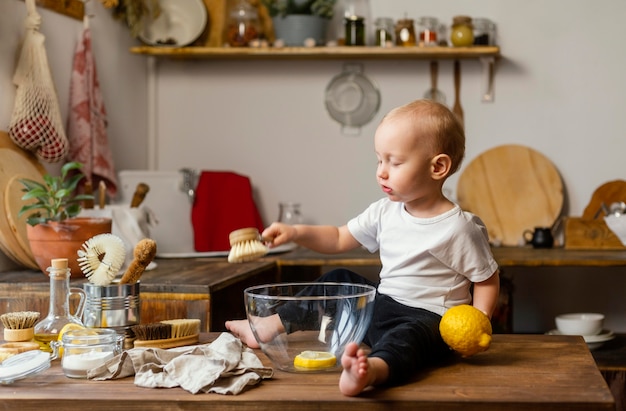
(183, 327)
(167, 329)
(19, 320)
(154, 331)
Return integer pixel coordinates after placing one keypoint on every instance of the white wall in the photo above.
(559, 90)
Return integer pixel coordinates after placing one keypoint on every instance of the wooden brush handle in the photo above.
(169, 342)
(139, 195)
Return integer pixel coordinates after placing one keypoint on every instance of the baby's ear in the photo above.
(440, 166)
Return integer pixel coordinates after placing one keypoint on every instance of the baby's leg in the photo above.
(359, 371)
(241, 329)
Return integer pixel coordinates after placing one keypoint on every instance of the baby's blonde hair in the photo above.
(436, 123)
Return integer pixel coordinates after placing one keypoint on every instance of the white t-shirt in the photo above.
(427, 263)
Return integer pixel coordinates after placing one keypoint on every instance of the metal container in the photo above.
(114, 306)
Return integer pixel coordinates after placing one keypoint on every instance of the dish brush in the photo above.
(246, 245)
(143, 254)
(19, 326)
(167, 333)
(108, 247)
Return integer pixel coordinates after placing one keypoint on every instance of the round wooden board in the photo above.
(512, 188)
(14, 161)
(12, 205)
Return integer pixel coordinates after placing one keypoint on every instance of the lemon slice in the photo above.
(66, 328)
(314, 360)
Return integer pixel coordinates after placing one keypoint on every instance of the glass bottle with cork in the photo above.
(59, 314)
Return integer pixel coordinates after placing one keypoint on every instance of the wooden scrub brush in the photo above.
(143, 254)
(19, 326)
(101, 258)
(246, 245)
(167, 333)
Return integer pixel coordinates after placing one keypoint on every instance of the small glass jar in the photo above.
(405, 32)
(428, 27)
(289, 213)
(462, 31)
(84, 349)
(355, 31)
(242, 26)
(384, 32)
(484, 32)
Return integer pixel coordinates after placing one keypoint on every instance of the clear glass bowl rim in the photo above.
(253, 291)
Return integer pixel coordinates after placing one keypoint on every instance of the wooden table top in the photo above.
(518, 372)
(505, 256)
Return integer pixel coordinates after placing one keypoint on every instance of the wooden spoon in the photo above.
(457, 109)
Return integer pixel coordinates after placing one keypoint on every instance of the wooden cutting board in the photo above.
(512, 188)
(15, 161)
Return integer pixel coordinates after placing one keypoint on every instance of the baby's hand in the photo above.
(278, 233)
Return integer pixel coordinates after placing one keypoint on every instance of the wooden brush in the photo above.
(246, 245)
(143, 254)
(19, 326)
(167, 333)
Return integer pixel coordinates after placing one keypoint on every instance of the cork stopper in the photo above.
(59, 263)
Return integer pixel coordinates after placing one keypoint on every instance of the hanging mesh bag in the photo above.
(36, 123)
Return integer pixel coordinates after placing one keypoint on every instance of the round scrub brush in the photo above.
(101, 258)
(245, 245)
(19, 326)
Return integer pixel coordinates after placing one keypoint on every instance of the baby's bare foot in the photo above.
(241, 329)
(355, 376)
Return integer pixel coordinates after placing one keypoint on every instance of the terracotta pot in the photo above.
(63, 240)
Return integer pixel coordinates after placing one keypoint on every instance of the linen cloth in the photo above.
(87, 122)
(224, 366)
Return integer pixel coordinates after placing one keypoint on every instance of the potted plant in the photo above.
(297, 20)
(54, 229)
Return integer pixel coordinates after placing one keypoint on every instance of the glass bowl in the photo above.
(304, 327)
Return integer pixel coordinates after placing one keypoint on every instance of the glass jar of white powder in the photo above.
(82, 350)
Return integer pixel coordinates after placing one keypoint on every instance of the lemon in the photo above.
(67, 327)
(466, 330)
(314, 360)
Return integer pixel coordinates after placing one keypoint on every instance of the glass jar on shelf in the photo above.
(462, 31)
(428, 27)
(355, 31)
(484, 32)
(384, 32)
(405, 32)
(242, 24)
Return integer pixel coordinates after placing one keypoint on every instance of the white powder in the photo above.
(86, 360)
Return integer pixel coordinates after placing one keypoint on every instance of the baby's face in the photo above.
(404, 160)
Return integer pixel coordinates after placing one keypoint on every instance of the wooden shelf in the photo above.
(321, 53)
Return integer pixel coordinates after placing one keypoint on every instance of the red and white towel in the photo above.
(87, 121)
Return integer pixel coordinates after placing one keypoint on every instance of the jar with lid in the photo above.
(384, 32)
(242, 25)
(355, 31)
(462, 31)
(81, 350)
(484, 32)
(428, 27)
(59, 315)
(405, 32)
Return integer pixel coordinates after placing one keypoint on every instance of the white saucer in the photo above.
(593, 341)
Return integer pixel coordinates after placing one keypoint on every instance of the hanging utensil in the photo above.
(434, 93)
(457, 109)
